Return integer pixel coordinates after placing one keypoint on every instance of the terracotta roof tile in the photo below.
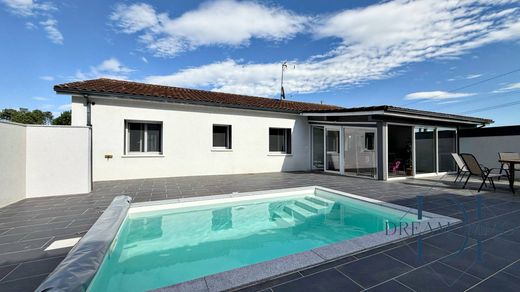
(177, 94)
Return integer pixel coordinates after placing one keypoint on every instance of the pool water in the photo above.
(160, 248)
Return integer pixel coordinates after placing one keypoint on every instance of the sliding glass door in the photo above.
(425, 150)
(447, 144)
(360, 152)
(318, 148)
(332, 143)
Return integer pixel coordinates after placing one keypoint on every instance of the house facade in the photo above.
(147, 131)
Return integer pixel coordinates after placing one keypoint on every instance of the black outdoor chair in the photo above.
(475, 169)
(462, 169)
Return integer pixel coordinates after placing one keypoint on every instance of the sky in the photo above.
(460, 57)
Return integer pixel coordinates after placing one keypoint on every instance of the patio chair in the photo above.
(475, 169)
(462, 169)
(507, 155)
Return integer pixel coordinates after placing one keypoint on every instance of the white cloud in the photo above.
(30, 26)
(40, 98)
(28, 7)
(473, 76)
(374, 42)
(135, 17)
(436, 95)
(39, 10)
(509, 87)
(144, 60)
(109, 68)
(51, 28)
(47, 78)
(224, 22)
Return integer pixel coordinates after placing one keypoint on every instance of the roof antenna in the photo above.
(282, 91)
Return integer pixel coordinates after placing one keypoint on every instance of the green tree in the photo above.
(24, 116)
(63, 119)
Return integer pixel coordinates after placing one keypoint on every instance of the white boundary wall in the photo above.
(187, 140)
(486, 148)
(41, 161)
(57, 161)
(12, 163)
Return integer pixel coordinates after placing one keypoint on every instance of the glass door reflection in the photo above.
(333, 150)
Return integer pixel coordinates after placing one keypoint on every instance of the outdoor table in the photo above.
(511, 163)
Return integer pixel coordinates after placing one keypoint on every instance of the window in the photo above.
(369, 141)
(222, 136)
(280, 140)
(143, 137)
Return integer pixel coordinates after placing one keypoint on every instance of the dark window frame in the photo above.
(144, 143)
(228, 145)
(286, 147)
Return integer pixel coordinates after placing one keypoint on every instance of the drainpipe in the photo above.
(89, 104)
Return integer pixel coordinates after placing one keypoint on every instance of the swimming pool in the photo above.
(172, 242)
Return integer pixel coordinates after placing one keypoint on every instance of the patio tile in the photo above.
(514, 269)
(390, 286)
(437, 277)
(475, 262)
(30, 269)
(10, 238)
(332, 264)
(26, 284)
(410, 254)
(450, 241)
(272, 283)
(502, 282)
(4, 270)
(329, 280)
(23, 245)
(506, 249)
(364, 272)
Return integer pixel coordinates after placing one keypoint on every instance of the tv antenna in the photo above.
(282, 91)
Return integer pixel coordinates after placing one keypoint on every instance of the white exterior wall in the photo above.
(12, 163)
(57, 160)
(486, 149)
(187, 140)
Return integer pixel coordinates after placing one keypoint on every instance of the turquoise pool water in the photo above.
(161, 248)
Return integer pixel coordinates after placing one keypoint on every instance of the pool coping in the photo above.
(243, 276)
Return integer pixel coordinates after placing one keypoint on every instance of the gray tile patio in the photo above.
(483, 253)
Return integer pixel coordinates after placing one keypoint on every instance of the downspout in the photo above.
(89, 125)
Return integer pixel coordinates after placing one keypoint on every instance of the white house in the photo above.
(146, 131)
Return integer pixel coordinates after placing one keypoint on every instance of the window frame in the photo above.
(229, 137)
(287, 139)
(144, 137)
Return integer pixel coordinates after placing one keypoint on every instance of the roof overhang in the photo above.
(397, 115)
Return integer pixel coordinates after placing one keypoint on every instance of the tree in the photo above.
(63, 119)
(24, 116)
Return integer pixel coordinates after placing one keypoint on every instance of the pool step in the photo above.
(320, 201)
(313, 207)
(298, 212)
(284, 219)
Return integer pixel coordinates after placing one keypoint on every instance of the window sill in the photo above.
(279, 154)
(142, 156)
(221, 150)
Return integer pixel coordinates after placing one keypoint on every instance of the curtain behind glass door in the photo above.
(333, 150)
(360, 152)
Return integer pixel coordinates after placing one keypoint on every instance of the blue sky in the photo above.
(350, 53)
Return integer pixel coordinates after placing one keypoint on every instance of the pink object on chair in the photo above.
(395, 166)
